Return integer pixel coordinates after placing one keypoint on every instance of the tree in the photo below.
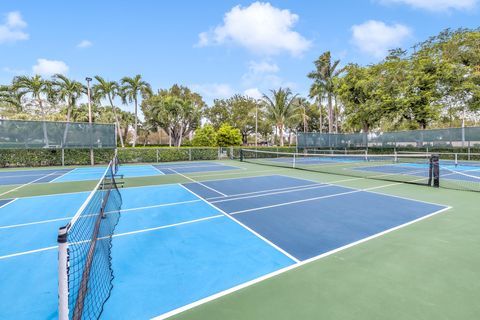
(131, 88)
(356, 90)
(69, 91)
(204, 137)
(323, 77)
(108, 90)
(177, 110)
(35, 86)
(228, 136)
(280, 108)
(238, 111)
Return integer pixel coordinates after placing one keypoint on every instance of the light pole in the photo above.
(92, 162)
(256, 125)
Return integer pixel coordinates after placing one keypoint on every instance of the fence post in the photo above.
(63, 157)
(157, 156)
(189, 154)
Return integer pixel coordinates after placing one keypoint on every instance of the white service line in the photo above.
(244, 226)
(276, 192)
(269, 190)
(6, 204)
(160, 171)
(26, 184)
(202, 184)
(291, 267)
(60, 176)
(90, 215)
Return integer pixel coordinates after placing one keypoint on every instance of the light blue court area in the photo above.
(170, 248)
(96, 173)
(192, 167)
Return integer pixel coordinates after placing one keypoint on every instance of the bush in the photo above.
(204, 137)
(228, 136)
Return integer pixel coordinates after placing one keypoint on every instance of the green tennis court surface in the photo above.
(237, 240)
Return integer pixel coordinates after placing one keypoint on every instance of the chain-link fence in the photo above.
(20, 134)
(468, 137)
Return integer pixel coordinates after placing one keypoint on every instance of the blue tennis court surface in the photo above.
(177, 244)
(95, 173)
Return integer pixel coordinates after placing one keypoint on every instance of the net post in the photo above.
(241, 155)
(294, 159)
(434, 172)
(395, 156)
(63, 157)
(63, 312)
(157, 155)
(456, 159)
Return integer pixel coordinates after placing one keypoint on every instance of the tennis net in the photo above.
(85, 269)
(408, 168)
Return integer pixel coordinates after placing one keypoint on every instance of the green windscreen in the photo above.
(19, 134)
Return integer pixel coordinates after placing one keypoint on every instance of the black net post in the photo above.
(241, 154)
(434, 175)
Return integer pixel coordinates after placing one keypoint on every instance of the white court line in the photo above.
(195, 181)
(115, 235)
(6, 204)
(60, 176)
(95, 214)
(26, 184)
(161, 173)
(317, 198)
(268, 190)
(244, 226)
(277, 192)
(291, 267)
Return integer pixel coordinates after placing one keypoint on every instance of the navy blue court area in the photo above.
(178, 244)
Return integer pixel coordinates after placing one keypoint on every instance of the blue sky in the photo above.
(218, 48)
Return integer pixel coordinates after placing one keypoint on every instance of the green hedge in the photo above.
(51, 157)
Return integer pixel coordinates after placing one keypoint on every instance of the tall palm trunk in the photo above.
(330, 114)
(44, 124)
(65, 132)
(116, 121)
(280, 132)
(321, 116)
(136, 123)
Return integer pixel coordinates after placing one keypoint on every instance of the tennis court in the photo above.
(95, 173)
(240, 240)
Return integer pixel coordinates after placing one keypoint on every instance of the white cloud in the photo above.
(84, 44)
(12, 29)
(261, 28)
(262, 67)
(436, 5)
(253, 93)
(46, 67)
(376, 38)
(213, 90)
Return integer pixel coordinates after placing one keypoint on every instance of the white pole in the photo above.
(256, 125)
(62, 274)
(92, 162)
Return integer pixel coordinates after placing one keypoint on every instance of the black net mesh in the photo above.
(89, 237)
(409, 168)
(19, 134)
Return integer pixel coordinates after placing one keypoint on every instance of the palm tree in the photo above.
(108, 90)
(10, 98)
(36, 86)
(280, 108)
(323, 77)
(318, 93)
(131, 88)
(68, 91)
